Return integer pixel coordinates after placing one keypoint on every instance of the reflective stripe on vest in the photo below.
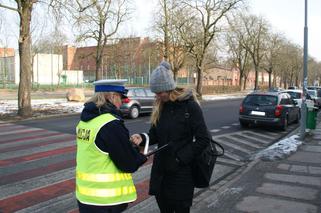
(107, 192)
(98, 180)
(103, 177)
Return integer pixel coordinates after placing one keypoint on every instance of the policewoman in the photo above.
(105, 156)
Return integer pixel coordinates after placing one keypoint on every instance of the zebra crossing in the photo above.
(37, 167)
(240, 145)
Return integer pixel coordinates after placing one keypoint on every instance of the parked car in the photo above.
(297, 95)
(269, 108)
(140, 100)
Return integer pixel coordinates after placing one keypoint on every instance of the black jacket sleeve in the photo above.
(113, 138)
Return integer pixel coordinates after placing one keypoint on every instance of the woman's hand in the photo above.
(136, 139)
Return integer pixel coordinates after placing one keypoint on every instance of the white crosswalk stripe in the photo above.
(239, 140)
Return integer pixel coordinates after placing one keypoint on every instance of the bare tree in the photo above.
(167, 25)
(199, 27)
(290, 64)
(314, 72)
(256, 29)
(24, 10)
(272, 55)
(97, 20)
(239, 56)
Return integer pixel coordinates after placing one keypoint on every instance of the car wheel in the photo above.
(134, 112)
(284, 125)
(244, 124)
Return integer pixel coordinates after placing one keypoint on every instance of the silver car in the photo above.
(140, 100)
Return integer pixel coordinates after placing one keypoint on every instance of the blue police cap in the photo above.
(111, 85)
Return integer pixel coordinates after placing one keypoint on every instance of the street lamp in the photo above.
(305, 72)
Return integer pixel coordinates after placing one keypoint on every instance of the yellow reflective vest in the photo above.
(98, 180)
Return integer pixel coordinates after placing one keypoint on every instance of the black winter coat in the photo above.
(171, 172)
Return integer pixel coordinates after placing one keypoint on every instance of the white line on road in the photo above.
(226, 127)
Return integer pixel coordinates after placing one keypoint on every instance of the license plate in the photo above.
(258, 113)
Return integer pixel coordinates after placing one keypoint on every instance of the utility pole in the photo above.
(305, 74)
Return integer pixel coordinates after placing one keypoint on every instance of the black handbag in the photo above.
(203, 166)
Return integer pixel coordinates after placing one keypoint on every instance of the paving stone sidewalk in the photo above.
(291, 185)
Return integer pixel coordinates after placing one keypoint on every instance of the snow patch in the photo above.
(280, 149)
(9, 106)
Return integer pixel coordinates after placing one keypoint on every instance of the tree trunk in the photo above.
(256, 77)
(245, 80)
(241, 79)
(98, 63)
(270, 79)
(24, 98)
(199, 84)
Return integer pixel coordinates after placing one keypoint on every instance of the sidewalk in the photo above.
(291, 185)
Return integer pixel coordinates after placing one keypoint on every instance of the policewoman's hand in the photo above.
(136, 139)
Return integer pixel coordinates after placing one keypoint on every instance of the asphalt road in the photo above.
(217, 114)
(37, 158)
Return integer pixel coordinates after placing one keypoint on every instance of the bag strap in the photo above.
(221, 153)
(187, 126)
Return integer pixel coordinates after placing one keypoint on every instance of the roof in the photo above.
(264, 93)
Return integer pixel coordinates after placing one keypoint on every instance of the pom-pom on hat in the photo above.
(162, 78)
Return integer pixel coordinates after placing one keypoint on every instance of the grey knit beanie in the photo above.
(162, 78)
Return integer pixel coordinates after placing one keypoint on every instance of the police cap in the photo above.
(111, 85)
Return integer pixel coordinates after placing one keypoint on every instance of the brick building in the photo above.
(129, 58)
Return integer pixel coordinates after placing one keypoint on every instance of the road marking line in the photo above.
(253, 138)
(259, 134)
(215, 130)
(21, 131)
(24, 200)
(232, 156)
(230, 162)
(234, 146)
(239, 140)
(226, 127)
(36, 150)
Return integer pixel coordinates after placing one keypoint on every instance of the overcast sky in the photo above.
(285, 16)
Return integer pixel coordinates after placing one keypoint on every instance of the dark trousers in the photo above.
(84, 208)
(172, 206)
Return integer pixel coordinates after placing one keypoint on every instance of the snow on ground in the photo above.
(59, 105)
(280, 149)
(221, 97)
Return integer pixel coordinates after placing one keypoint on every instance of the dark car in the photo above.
(269, 108)
(140, 100)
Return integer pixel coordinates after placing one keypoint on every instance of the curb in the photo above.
(40, 117)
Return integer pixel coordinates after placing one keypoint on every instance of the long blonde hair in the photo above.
(100, 100)
(173, 96)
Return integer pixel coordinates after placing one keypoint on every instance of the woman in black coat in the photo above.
(176, 120)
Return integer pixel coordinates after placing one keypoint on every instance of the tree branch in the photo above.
(9, 8)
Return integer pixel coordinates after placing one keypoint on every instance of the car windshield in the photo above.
(295, 95)
(312, 93)
(130, 92)
(149, 93)
(260, 100)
